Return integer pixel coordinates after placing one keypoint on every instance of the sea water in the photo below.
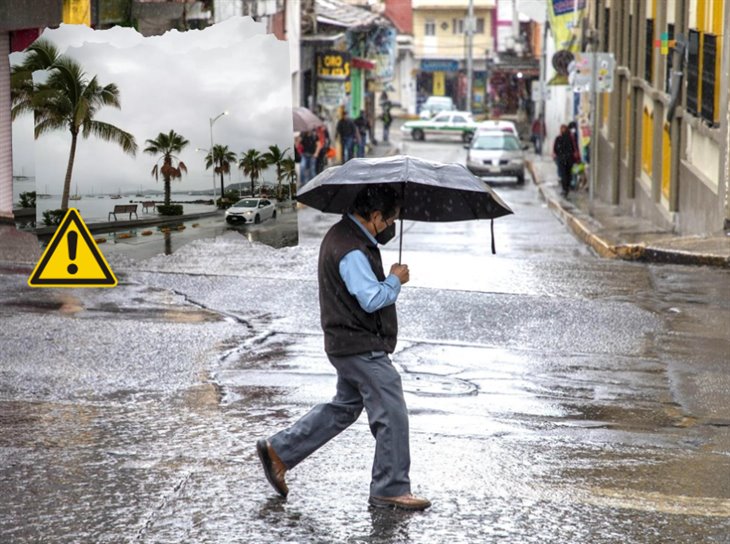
(96, 208)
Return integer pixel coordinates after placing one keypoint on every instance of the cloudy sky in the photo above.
(177, 81)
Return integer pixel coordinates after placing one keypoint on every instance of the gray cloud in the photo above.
(176, 81)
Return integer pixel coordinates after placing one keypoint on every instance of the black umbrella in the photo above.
(431, 191)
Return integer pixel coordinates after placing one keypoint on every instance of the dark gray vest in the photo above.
(348, 329)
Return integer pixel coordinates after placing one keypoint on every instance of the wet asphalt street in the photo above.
(553, 396)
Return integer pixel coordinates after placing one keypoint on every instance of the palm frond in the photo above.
(111, 133)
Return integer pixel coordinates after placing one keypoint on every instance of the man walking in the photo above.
(348, 135)
(363, 127)
(564, 155)
(537, 133)
(358, 315)
(387, 119)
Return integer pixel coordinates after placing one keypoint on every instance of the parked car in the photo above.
(459, 123)
(496, 154)
(492, 125)
(436, 104)
(251, 210)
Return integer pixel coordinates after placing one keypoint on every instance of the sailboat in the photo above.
(44, 195)
(118, 195)
(76, 195)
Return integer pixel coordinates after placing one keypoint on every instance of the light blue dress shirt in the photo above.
(355, 270)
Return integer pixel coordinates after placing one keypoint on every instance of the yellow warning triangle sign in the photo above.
(72, 258)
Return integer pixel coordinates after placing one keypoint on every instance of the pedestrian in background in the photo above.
(308, 150)
(537, 134)
(387, 119)
(564, 155)
(363, 127)
(348, 134)
(358, 316)
(323, 137)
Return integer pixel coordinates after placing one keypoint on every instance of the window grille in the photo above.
(649, 51)
(670, 60)
(709, 58)
(693, 74)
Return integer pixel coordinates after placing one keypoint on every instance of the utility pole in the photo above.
(469, 60)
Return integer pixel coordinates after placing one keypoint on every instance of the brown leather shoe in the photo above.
(403, 502)
(274, 468)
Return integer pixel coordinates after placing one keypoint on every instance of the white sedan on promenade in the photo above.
(251, 210)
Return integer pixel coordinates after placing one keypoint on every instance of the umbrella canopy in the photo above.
(305, 120)
(431, 191)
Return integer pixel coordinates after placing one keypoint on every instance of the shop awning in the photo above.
(362, 64)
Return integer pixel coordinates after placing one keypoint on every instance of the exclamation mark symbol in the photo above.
(72, 238)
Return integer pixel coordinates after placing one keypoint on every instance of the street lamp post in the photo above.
(212, 121)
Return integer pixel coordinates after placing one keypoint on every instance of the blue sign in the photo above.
(439, 65)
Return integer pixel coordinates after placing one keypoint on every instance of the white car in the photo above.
(503, 126)
(458, 123)
(496, 154)
(436, 104)
(251, 210)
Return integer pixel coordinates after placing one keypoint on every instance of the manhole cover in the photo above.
(432, 385)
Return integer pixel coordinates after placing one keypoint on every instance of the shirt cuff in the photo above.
(393, 281)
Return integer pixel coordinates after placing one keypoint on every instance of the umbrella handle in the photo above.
(400, 242)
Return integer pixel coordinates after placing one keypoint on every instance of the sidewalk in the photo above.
(612, 233)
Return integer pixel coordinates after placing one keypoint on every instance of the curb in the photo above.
(628, 252)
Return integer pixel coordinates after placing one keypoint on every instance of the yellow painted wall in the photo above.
(666, 161)
(445, 44)
(77, 12)
(647, 135)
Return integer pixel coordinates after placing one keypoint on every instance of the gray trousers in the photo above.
(365, 380)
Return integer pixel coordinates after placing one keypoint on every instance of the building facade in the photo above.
(440, 49)
(663, 131)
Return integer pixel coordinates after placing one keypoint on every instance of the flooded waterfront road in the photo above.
(554, 397)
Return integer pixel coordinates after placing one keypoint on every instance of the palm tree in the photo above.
(274, 156)
(167, 145)
(69, 100)
(221, 157)
(41, 55)
(253, 164)
(289, 172)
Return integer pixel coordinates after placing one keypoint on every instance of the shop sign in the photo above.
(333, 65)
(439, 65)
(330, 93)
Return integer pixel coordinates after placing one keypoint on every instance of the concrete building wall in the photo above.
(6, 149)
(16, 15)
(676, 177)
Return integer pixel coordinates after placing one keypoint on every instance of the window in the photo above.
(430, 28)
(457, 26)
(709, 59)
(649, 51)
(606, 28)
(480, 25)
(458, 119)
(693, 72)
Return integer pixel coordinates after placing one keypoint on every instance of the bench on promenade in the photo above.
(148, 204)
(124, 208)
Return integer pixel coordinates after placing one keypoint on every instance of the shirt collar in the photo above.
(367, 233)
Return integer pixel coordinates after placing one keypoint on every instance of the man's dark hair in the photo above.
(382, 198)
